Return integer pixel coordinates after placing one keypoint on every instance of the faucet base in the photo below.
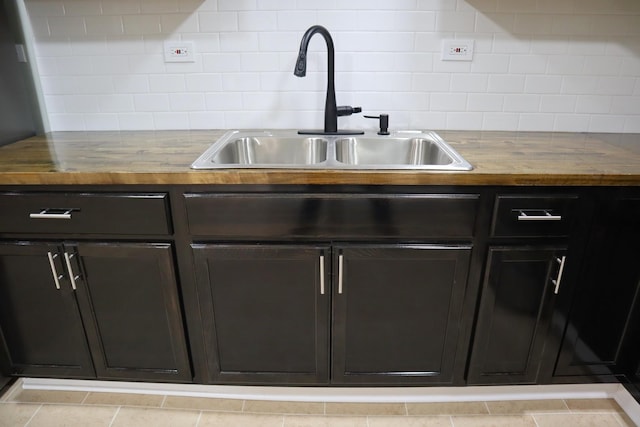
(338, 132)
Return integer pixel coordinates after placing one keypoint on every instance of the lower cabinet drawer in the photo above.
(533, 216)
(96, 213)
(243, 215)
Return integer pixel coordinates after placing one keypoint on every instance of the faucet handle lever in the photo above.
(347, 110)
(384, 123)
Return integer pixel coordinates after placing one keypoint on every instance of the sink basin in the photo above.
(286, 149)
(270, 150)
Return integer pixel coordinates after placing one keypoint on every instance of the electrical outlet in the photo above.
(457, 50)
(178, 52)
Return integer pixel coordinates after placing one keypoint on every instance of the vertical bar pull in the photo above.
(340, 268)
(56, 277)
(558, 279)
(321, 274)
(72, 275)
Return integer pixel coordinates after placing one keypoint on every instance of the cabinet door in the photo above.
(40, 324)
(265, 310)
(129, 301)
(396, 313)
(605, 296)
(513, 318)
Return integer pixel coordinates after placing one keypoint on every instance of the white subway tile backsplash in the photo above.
(523, 103)
(571, 123)
(239, 42)
(141, 24)
(538, 65)
(542, 84)
(209, 82)
(469, 83)
(536, 122)
(448, 102)
(101, 121)
(506, 83)
(136, 121)
(167, 83)
(593, 104)
(223, 101)
(527, 64)
(604, 123)
(159, 6)
(82, 8)
(257, 21)
(173, 120)
(115, 103)
(151, 102)
(131, 84)
(558, 103)
(81, 104)
(206, 120)
(67, 26)
(186, 102)
(93, 85)
(485, 102)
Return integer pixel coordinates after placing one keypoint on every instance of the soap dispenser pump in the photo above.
(384, 123)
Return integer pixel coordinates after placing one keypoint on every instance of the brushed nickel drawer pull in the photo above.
(52, 214)
(547, 216)
(340, 268)
(56, 277)
(72, 275)
(558, 279)
(321, 274)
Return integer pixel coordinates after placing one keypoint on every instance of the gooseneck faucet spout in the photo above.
(331, 111)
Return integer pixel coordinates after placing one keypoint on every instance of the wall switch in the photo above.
(178, 52)
(457, 50)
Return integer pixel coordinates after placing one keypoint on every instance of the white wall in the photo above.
(564, 65)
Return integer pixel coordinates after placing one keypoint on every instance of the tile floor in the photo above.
(34, 408)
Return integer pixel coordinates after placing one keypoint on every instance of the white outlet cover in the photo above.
(179, 51)
(457, 50)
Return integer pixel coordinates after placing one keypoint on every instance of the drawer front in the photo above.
(331, 215)
(533, 216)
(95, 213)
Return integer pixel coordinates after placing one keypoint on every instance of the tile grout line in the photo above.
(164, 400)
(34, 414)
(115, 416)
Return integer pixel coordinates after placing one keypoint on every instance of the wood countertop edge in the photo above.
(271, 177)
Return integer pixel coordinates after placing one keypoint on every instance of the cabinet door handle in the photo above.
(546, 216)
(340, 268)
(56, 277)
(558, 279)
(72, 275)
(321, 274)
(52, 214)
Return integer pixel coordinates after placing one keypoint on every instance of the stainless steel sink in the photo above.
(412, 150)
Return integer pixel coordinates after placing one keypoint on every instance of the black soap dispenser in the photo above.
(384, 123)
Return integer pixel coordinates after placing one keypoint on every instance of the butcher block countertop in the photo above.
(164, 157)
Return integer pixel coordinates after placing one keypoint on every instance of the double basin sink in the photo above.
(410, 150)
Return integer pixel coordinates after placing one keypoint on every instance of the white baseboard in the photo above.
(352, 394)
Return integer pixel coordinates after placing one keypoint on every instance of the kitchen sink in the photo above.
(412, 150)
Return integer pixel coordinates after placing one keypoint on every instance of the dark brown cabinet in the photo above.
(66, 304)
(129, 302)
(397, 310)
(529, 263)
(266, 309)
(606, 297)
(40, 324)
(518, 295)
